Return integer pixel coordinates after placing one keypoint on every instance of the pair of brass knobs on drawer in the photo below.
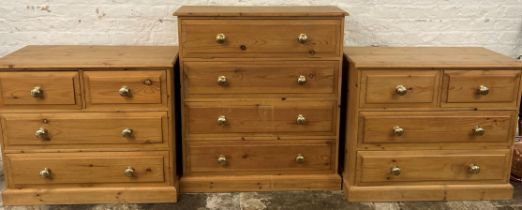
(222, 120)
(47, 174)
(403, 90)
(43, 133)
(223, 161)
(472, 169)
(301, 38)
(223, 80)
(476, 131)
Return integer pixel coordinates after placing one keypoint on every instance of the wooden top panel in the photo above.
(67, 57)
(259, 11)
(429, 57)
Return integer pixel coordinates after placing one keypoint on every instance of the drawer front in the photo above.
(399, 88)
(39, 88)
(262, 117)
(125, 87)
(487, 87)
(86, 168)
(94, 129)
(225, 158)
(261, 38)
(313, 77)
(436, 127)
(416, 166)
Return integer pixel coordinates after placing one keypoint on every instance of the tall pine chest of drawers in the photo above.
(430, 124)
(260, 90)
(88, 124)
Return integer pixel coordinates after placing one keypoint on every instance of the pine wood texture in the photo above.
(446, 134)
(260, 11)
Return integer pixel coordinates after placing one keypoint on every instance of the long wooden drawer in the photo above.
(90, 129)
(261, 38)
(436, 127)
(258, 158)
(39, 88)
(425, 166)
(302, 117)
(86, 168)
(310, 77)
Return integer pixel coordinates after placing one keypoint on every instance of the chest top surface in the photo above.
(67, 56)
(259, 11)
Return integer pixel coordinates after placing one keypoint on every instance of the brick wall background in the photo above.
(495, 24)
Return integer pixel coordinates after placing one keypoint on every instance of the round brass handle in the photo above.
(302, 38)
(222, 160)
(478, 131)
(37, 92)
(220, 38)
(398, 131)
(395, 170)
(222, 120)
(301, 80)
(483, 90)
(301, 119)
(45, 173)
(42, 133)
(299, 158)
(222, 80)
(125, 91)
(401, 90)
(127, 132)
(129, 171)
(474, 169)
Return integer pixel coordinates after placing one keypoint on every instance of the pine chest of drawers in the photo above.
(430, 124)
(88, 124)
(260, 91)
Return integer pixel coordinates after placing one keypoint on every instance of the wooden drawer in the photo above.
(255, 117)
(125, 87)
(303, 77)
(436, 127)
(86, 129)
(425, 166)
(39, 88)
(86, 168)
(257, 158)
(273, 38)
(399, 88)
(481, 88)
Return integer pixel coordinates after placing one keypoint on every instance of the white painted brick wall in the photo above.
(495, 24)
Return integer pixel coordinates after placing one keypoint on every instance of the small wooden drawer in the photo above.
(49, 130)
(273, 38)
(86, 168)
(39, 88)
(303, 77)
(387, 167)
(436, 127)
(254, 117)
(399, 88)
(481, 88)
(125, 87)
(257, 158)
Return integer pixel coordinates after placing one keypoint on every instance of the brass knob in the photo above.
(222, 80)
(147, 82)
(301, 120)
(42, 133)
(37, 92)
(302, 38)
(127, 132)
(301, 80)
(130, 172)
(395, 170)
(45, 173)
(299, 158)
(478, 131)
(474, 169)
(222, 120)
(483, 90)
(220, 38)
(222, 160)
(125, 91)
(398, 131)
(401, 90)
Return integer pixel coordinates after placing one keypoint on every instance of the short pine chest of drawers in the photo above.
(430, 124)
(260, 91)
(88, 124)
